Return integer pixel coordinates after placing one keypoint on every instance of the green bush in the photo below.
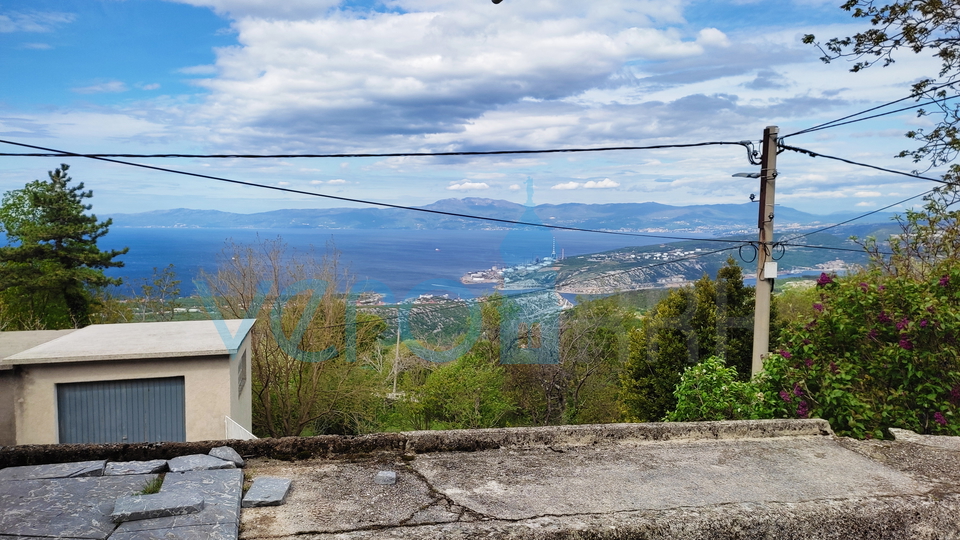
(881, 352)
(711, 390)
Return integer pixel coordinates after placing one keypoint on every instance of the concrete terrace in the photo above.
(758, 479)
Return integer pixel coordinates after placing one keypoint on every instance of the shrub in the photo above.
(880, 352)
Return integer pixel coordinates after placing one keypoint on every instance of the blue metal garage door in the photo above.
(137, 410)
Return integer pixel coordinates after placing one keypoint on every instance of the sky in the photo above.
(329, 76)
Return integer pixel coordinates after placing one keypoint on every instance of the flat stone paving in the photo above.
(34, 505)
(63, 507)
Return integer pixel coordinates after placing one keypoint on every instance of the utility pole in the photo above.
(766, 267)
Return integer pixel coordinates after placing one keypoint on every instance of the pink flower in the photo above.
(818, 307)
(905, 343)
(939, 418)
(784, 395)
(824, 279)
(944, 280)
(872, 334)
(923, 323)
(785, 353)
(864, 286)
(797, 391)
(883, 317)
(808, 362)
(902, 324)
(833, 368)
(802, 409)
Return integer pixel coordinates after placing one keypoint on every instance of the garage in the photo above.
(128, 411)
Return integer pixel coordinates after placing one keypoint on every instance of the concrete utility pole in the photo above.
(766, 267)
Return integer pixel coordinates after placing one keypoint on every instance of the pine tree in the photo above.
(51, 267)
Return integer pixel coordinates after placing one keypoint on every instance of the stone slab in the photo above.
(78, 469)
(118, 468)
(155, 505)
(266, 491)
(940, 441)
(64, 507)
(227, 453)
(385, 478)
(221, 491)
(198, 462)
(191, 532)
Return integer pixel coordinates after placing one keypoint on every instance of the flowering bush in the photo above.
(881, 351)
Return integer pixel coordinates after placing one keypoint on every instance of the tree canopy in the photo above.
(51, 267)
(919, 26)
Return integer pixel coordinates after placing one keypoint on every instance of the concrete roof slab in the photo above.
(514, 484)
(337, 497)
(12, 343)
(172, 339)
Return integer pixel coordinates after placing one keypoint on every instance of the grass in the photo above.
(151, 486)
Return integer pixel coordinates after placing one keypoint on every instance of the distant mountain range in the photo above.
(636, 217)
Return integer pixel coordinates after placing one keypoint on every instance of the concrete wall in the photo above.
(8, 419)
(208, 391)
(241, 383)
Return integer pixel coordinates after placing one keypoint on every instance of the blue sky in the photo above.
(322, 76)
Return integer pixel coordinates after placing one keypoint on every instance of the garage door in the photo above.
(137, 410)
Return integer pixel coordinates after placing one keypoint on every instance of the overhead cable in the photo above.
(871, 109)
(872, 116)
(364, 201)
(55, 153)
(861, 216)
(811, 153)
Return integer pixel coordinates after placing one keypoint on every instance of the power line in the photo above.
(56, 153)
(867, 165)
(838, 123)
(828, 248)
(871, 109)
(368, 202)
(861, 216)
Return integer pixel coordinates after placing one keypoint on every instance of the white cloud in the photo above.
(464, 186)
(33, 21)
(713, 38)
(36, 46)
(866, 203)
(151, 86)
(514, 187)
(337, 181)
(283, 184)
(267, 8)
(867, 194)
(316, 182)
(102, 88)
(567, 185)
(198, 70)
(605, 183)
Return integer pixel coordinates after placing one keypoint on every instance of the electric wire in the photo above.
(861, 216)
(372, 203)
(871, 109)
(56, 153)
(859, 164)
(887, 113)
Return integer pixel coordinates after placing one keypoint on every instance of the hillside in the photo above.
(716, 219)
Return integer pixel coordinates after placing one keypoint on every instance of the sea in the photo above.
(402, 260)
